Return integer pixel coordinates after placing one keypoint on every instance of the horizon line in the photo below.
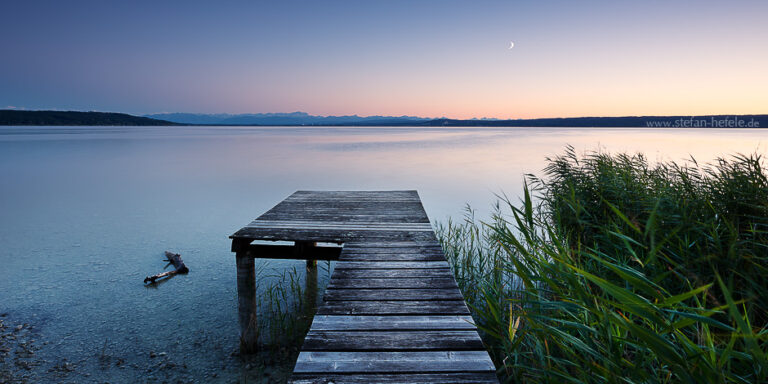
(12, 108)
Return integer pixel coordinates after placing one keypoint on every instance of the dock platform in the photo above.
(392, 312)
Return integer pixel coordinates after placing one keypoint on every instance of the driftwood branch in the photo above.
(172, 259)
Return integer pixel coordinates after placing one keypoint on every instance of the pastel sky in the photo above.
(416, 57)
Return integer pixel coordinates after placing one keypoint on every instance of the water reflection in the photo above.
(86, 212)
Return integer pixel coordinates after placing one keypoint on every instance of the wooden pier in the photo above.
(392, 312)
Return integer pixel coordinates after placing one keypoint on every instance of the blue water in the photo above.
(86, 213)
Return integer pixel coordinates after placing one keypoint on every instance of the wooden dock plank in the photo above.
(392, 311)
(393, 244)
(405, 193)
(392, 340)
(363, 362)
(391, 257)
(335, 214)
(381, 307)
(358, 208)
(396, 251)
(392, 264)
(397, 378)
(360, 225)
(340, 274)
(394, 294)
(384, 283)
(383, 323)
(390, 247)
(331, 236)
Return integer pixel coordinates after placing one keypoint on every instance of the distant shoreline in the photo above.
(76, 118)
(73, 118)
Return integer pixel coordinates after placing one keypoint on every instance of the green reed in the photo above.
(286, 305)
(611, 269)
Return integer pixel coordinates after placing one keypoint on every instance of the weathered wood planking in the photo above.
(390, 273)
(394, 250)
(390, 283)
(331, 235)
(349, 264)
(383, 323)
(342, 225)
(391, 340)
(382, 307)
(392, 294)
(391, 257)
(392, 311)
(363, 362)
(397, 378)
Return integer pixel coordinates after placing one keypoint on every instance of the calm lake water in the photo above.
(86, 213)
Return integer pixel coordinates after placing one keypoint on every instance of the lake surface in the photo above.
(86, 213)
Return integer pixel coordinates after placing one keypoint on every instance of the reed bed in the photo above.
(287, 303)
(613, 269)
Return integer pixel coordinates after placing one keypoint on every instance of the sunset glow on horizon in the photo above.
(427, 58)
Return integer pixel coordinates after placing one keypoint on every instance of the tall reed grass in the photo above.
(611, 269)
(287, 304)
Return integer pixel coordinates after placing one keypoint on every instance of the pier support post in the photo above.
(310, 284)
(246, 301)
(310, 289)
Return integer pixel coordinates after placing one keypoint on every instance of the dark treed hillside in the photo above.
(710, 121)
(14, 117)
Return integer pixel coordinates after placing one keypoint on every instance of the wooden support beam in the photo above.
(240, 245)
(292, 252)
(246, 302)
(300, 251)
(305, 249)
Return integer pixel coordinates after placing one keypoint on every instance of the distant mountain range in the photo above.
(293, 118)
(302, 118)
(23, 117)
